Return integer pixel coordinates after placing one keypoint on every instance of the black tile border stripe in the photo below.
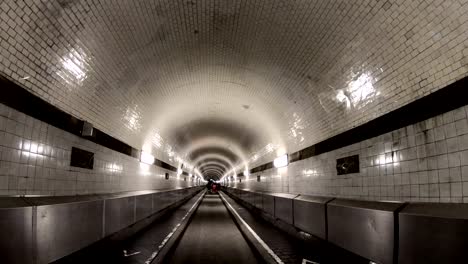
(18, 98)
(439, 102)
(22, 100)
(164, 165)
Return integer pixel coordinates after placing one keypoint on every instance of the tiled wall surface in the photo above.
(302, 70)
(287, 74)
(35, 160)
(427, 161)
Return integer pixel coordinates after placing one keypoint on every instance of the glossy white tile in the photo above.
(41, 165)
(409, 173)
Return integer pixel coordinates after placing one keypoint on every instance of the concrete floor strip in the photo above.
(264, 245)
(164, 242)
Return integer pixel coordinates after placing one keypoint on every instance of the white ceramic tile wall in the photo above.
(35, 160)
(427, 161)
(302, 71)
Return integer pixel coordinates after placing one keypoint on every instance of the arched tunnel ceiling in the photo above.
(220, 168)
(245, 80)
(207, 161)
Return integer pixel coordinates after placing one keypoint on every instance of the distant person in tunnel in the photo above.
(209, 184)
(215, 187)
(212, 186)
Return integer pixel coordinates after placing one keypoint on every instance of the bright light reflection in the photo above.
(270, 147)
(74, 64)
(309, 172)
(379, 160)
(144, 169)
(296, 128)
(359, 93)
(132, 118)
(169, 151)
(40, 149)
(26, 145)
(157, 140)
(147, 158)
(114, 167)
(281, 161)
(33, 148)
(74, 67)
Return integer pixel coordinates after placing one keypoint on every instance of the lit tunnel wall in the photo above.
(225, 86)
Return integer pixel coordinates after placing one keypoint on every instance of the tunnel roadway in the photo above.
(212, 237)
(207, 229)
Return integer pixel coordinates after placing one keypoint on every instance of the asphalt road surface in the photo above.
(212, 237)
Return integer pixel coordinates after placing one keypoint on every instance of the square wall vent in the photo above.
(82, 159)
(347, 165)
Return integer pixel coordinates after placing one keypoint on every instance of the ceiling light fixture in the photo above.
(281, 161)
(147, 158)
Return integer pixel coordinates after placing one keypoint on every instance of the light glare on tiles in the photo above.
(146, 158)
(281, 161)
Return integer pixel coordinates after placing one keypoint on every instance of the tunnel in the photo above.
(234, 131)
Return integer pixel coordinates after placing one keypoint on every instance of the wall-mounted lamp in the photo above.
(147, 158)
(281, 161)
